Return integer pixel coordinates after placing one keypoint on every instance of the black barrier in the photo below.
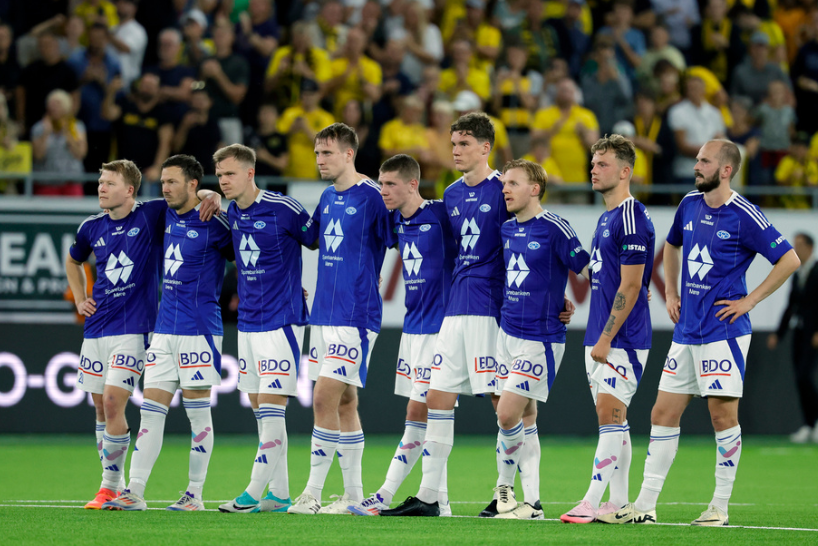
(38, 393)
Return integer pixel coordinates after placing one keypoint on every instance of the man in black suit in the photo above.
(802, 315)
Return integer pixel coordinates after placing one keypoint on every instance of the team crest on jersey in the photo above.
(425, 227)
(192, 234)
(533, 245)
(259, 225)
(133, 232)
(485, 208)
(351, 210)
(723, 234)
(606, 233)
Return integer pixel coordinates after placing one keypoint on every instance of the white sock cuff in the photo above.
(325, 434)
(608, 429)
(351, 440)
(531, 430)
(728, 435)
(271, 411)
(196, 404)
(440, 415)
(101, 426)
(117, 438)
(151, 406)
(517, 429)
(416, 424)
(255, 413)
(664, 433)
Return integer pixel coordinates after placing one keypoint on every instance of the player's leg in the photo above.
(350, 451)
(530, 458)
(408, 451)
(510, 441)
(197, 407)
(724, 416)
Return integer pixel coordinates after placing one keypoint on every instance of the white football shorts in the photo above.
(112, 360)
(341, 353)
(189, 362)
(464, 361)
(710, 369)
(414, 371)
(269, 361)
(527, 367)
(620, 376)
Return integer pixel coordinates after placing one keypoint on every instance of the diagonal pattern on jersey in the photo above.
(412, 259)
(517, 270)
(470, 234)
(249, 250)
(699, 262)
(116, 274)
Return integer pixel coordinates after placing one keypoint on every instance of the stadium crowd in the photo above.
(86, 81)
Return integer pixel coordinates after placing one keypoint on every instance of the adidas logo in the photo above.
(274, 385)
(689, 226)
(523, 386)
(455, 212)
(197, 376)
(508, 244)
(235, 225)
(262, 459)
(167, 229)
(727, 463)
(426, 453)
(113, 467)
(341, 371)
(198, 449)
(401, 458)
(716, 386)
(339, 454)
(611, 381)
(326, 210)
(493, 383)
(99, 243)
(508, 462)
(129, 382)
(319, 452)
(597, 477)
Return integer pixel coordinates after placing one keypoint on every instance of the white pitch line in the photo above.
(467, 517)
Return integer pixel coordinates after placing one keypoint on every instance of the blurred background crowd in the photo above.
(84, 81)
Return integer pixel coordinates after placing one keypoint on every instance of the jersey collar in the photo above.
(631, 198)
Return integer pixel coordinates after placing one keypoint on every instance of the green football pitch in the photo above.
(45, 480)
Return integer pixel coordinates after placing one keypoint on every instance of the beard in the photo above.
(708, 184)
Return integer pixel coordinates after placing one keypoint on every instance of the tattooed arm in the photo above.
(625, 299)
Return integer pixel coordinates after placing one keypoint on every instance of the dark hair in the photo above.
(728, 154)
(476, 124)
(807, 238)
(534, 171)
(343, 134)
(127, 169)
(99, 26)
(191, 168)
(405, 166)
(623, 149)
(239, 152)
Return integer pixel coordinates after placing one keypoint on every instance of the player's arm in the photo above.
(625, 299)
(672, 261)
(783, 268)
(77, 280)
(211, 204)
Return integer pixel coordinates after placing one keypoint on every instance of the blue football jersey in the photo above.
(476, 214)
(718, 246)
(128, 256)
(354, 231)
(538, 254)
(195, 254)
(267, 237)
(623, 236)
(428, 250)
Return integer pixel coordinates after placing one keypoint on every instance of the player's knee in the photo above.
(664, 416)
(507, 420)
(723, 421)
(322, 406)
(416, 412)
(111, 406)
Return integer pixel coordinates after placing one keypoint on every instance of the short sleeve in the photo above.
(81, 248)
(372, 73)
(275, 62)
(286, 121)
(543, 120)
(782, 172)
(303, 228)
(674, 236)
(634, 236)
(568, 248)
(760, 236)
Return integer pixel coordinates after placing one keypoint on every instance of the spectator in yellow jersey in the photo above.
(572, 130)
(406, 134)
(354, 75)
(512, 97)
(654, 139)
(468, 101)
(300, 123)
(96, 11)
(797, 170)
(195, 47)
(293, 63)
(716, 42)
(328, 31)
(462, 76)
(470, 24)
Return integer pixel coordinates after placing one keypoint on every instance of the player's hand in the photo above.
(815, 340)
(674, 306)
(650, 296)
(380, 282)
(211, 205)
(87, 307)
(733, 309)
(567, 312)
(306, 294)
(772, 341)
(600, 351)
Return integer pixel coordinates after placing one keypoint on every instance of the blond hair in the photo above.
(127, 169)
(534, 171)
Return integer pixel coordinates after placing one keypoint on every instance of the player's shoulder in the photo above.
(278, 202)
(454, 188)
(93, 221)
(633, 216)
(692, 197)
(494, 179)
(555, 223)
(369, 187)
(746, 210)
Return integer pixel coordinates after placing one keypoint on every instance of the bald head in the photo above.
(728, 154)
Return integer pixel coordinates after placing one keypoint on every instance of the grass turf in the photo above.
(777, 486)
